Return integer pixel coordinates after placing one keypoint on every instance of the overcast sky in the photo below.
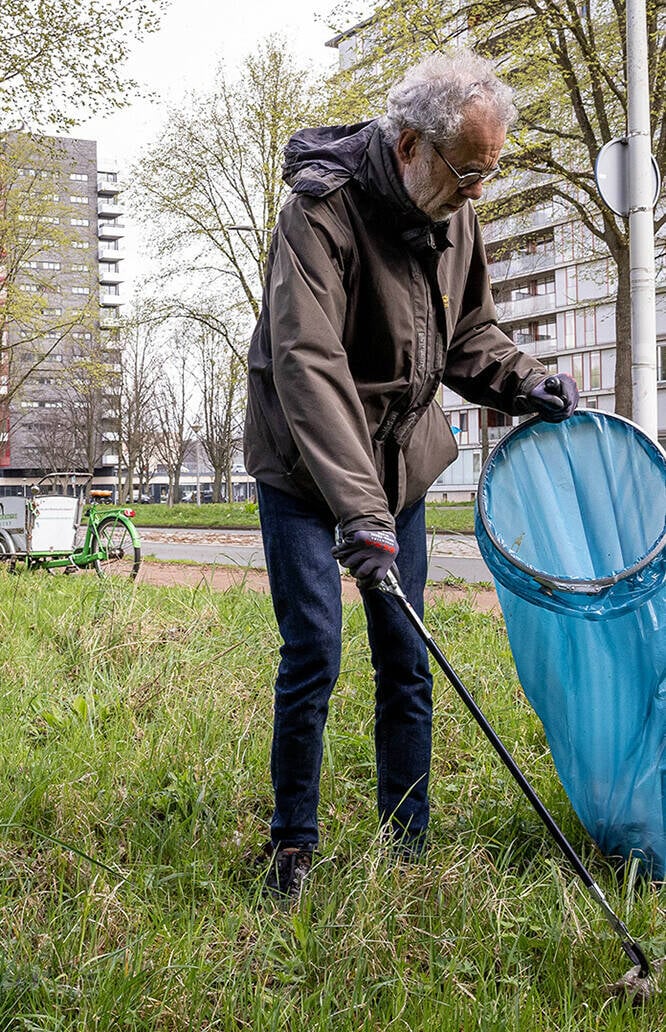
(195, 36)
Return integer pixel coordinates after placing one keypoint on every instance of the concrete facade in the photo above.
(77, 276)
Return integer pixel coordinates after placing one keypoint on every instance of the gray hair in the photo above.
(433, 95)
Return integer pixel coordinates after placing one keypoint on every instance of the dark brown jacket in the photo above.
(367, 308)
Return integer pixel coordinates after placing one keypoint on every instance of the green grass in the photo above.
(134, 746)
(186, 514)
(440, 516)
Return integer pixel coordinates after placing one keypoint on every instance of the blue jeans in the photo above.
(305, 586)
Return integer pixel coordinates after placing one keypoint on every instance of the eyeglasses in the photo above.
(468, 178)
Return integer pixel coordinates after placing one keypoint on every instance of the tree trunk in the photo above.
(623, 389)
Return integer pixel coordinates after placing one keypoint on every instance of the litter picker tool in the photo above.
(391, 586)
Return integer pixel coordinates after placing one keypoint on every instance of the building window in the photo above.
(534, 288)
(588, 327)
(81, 245)
(79, 177)
(80, 222)
(78, 267)
(571, 287)
(496, 418)
(80, 290)
(78, 199)
(537, 331)
(577, 368)
(569, 330)
(54, 266)
(661, 362)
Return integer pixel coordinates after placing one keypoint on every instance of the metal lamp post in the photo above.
(641, 223)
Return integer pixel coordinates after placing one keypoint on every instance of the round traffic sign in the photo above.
(611, 174)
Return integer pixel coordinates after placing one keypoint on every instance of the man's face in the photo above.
(428, 180)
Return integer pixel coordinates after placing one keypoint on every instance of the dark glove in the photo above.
(555, 397)
(368, 554)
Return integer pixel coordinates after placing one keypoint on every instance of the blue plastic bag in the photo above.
(571, 520)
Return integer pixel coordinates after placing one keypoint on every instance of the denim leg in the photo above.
(403, 706)
(305, 588)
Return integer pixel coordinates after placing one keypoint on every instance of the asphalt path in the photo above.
(451, 555)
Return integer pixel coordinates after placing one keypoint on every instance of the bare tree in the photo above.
(137, 405)
(173, 405)
(211, 187)
(222, 378)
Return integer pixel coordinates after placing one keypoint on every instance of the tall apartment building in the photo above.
(555, 293)
(66, 333)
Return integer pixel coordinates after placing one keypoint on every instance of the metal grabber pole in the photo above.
(391, 586)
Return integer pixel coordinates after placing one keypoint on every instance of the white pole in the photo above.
(641, 224)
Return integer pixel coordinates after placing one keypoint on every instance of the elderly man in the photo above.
(376, 292)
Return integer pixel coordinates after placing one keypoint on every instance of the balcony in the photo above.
(110, 300)
(108, 186)
(108, 208)
(545, 347)
(110, 230)
(526, 307)
(108, 320)
(107, 253)
(496, 433)
(522, 265)
(110, 279)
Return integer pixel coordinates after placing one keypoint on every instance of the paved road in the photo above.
(451, 555)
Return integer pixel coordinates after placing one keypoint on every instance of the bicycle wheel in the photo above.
(115, 536)
(6, 544)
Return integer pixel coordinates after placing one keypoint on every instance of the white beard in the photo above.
(418, 179)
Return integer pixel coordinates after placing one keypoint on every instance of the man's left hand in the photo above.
(555, 398)
(368, 554)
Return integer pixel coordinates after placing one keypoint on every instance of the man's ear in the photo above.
(405, 146)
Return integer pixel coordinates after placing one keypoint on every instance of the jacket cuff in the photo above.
(521, 403)
(353, 523)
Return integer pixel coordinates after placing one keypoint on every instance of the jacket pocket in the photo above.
(429, 451)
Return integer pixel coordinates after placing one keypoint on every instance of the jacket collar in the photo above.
(320, 161)
(382, 180)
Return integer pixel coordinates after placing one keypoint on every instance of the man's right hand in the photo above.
(368, 554)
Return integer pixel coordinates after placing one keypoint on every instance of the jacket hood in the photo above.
(319, 161)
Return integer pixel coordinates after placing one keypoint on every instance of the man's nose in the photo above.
(473, 191)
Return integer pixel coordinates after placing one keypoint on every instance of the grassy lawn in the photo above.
(439, 516)
(134, 747)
